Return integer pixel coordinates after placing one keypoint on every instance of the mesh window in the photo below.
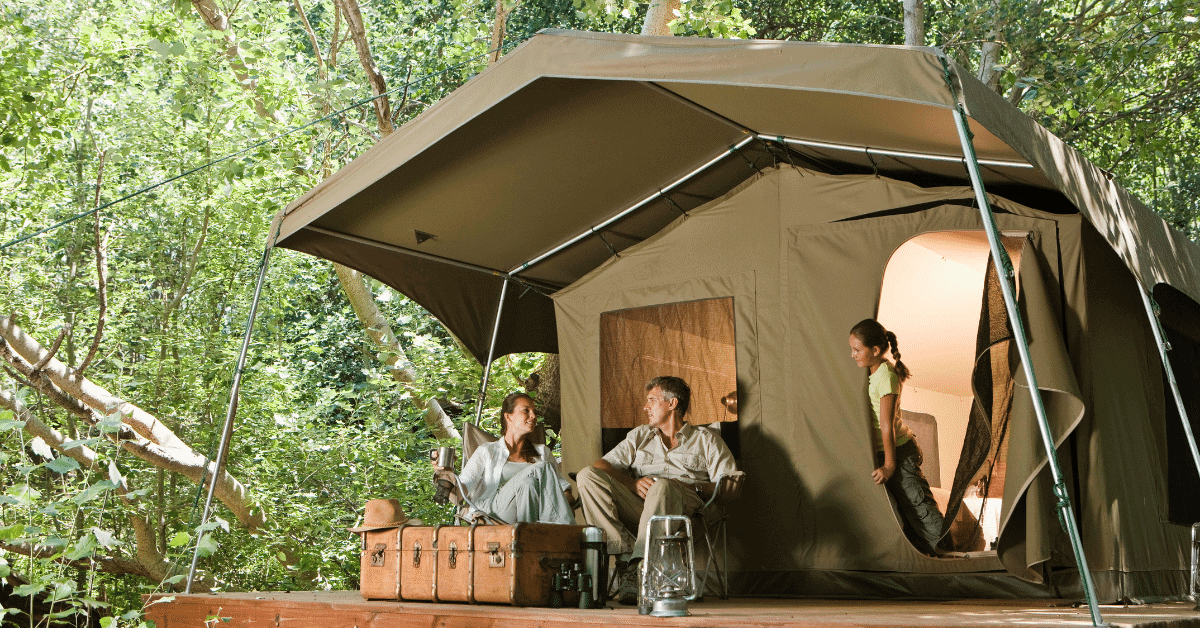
(693, 340)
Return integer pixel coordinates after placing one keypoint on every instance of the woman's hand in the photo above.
(441, 473)
(884, 473)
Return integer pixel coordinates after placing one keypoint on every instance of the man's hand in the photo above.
(883, 474)
(643, 485)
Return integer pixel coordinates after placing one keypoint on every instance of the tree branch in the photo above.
(101, 276)
(149, 439)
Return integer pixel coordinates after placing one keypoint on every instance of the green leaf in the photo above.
(10, 424)
(110, 424)
(5, 569)
(63, 591)
(40, 447)
(206, 546)
(24, 494)
(62, 465)
(14, 531)
(104, 538)
(26, 590)
(107, 622)
(180, 539)
(175, 579)
(93, 491)
(82, 548)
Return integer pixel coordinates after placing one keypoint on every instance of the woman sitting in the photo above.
(513, 479)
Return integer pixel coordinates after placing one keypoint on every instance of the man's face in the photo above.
(659, 407)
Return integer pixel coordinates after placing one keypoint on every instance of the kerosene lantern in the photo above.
(668, 568)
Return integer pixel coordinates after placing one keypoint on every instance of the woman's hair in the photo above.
(872, 334)
(528, 451)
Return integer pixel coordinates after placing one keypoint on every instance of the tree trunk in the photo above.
(658, 17)
(499, 28)
(390, 351)
(989, 55)
(358, 33)
(914, 22)
(218, 21)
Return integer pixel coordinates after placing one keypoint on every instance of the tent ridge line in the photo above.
(431, 257)
(632, 208)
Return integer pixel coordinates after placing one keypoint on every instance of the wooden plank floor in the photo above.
(345, 609)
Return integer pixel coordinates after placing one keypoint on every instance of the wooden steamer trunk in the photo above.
(418, 559)
(516, 564)
(380, 564)
(455, 564)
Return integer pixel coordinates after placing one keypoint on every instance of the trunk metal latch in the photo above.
(378, 555)
(495, 556)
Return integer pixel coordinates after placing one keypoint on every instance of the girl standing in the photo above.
(897, 455)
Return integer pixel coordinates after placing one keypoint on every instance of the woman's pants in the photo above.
(533, 495)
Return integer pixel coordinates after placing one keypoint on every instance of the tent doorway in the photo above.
(935, 297)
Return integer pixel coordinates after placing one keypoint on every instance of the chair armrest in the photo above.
(728, 488)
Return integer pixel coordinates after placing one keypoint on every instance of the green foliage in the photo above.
(322, 426)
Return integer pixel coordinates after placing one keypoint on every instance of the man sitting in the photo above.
(666, 467)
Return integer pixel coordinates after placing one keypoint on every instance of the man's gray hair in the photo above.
(673, 388)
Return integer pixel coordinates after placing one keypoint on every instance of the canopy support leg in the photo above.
(1066, 512)
(1160, 337)
(487, 367)
(231, 411)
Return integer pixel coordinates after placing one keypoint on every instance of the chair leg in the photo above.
(723, 569)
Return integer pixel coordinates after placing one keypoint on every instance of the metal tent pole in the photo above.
(227, 431)
(487, 368)
(1160, 337)
(1066, 512)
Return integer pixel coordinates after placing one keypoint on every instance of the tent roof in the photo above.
(530, 168)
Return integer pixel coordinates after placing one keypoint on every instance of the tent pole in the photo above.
(1160, 337)
(231, 411)
(487, 368)
(1066, 512)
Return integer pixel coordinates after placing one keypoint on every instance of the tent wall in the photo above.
(802, 269)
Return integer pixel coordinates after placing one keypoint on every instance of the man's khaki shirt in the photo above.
(701, 455)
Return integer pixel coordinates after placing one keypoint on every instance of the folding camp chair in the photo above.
(711, 519)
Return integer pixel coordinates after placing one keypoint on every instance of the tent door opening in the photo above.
(941, 297)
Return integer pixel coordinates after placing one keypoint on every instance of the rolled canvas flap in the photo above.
(1027, 521)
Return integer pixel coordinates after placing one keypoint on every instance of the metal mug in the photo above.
(444, 458)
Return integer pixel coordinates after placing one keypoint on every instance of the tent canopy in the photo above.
(576, 146)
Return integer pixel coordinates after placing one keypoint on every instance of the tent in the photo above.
(749, 199)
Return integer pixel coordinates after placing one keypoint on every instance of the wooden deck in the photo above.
(346, 609)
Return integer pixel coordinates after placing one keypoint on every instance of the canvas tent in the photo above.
(589, 175)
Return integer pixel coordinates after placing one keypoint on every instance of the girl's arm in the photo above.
(887, 423)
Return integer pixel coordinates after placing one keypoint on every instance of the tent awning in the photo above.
(573, 129)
